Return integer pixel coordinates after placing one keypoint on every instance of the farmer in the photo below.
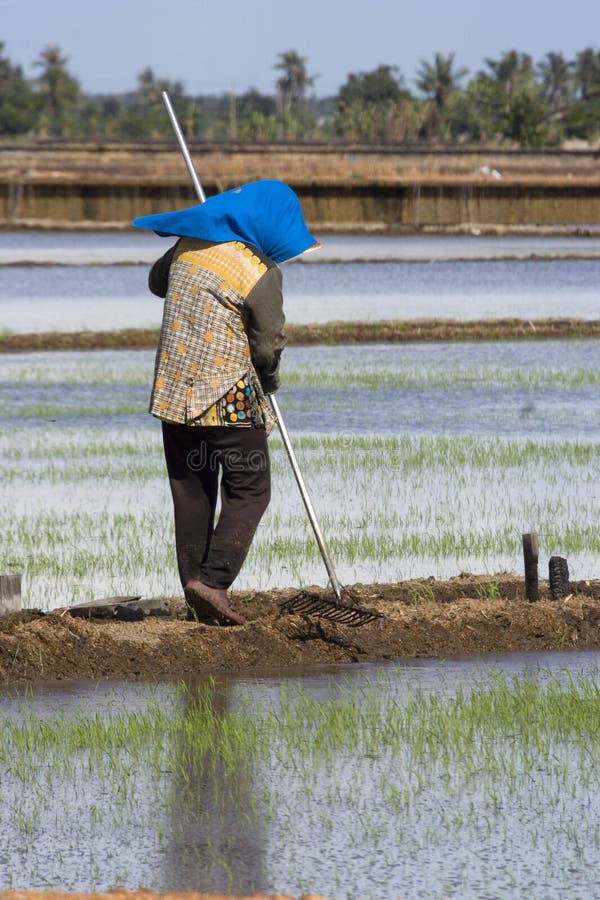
(217, 358)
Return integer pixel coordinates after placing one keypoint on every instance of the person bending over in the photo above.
(218, 357)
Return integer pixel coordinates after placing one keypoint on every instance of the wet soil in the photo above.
(392, 331)
(420, 618)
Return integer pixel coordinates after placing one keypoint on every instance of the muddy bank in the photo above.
(405, 205)
(393, 331)
(421, 618)
(391, 189)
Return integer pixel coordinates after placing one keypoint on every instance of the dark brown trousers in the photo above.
(196, 459)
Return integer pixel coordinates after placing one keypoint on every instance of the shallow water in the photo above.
(344, 826)
(86, 505)
(38, 298)
(87, 248)
(99, 281)
(459, 517)
(536, 390)
(85, 494)
(64, 699)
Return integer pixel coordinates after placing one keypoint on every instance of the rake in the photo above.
(304, 602)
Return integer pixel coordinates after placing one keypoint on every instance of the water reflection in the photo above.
(348, 823)
(216, 833)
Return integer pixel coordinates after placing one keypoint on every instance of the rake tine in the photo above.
(353, 616)
(299, 604)
(314, 608)
(366, 618)
(311, 604)
(305, 602)
(339, 615)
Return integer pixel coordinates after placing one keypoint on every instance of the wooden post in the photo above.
(10, 594)
(531, 555)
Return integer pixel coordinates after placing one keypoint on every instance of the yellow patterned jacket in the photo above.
(222, 320)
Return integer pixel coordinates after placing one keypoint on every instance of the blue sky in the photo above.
(216, 47)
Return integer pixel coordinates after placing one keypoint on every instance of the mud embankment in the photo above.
(422, 618)
(348, 188)
(399, 207)
(391, 331)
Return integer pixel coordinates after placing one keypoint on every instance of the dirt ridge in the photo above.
(422, 618)
(394, 331)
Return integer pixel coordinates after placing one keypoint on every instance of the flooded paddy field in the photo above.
(41, 298)
(421, 459)
(463, 778)
(132, 247)
(399, 776)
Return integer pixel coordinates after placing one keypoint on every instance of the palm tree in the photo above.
(57, 89)
(439, 81)
(555, 73)
(587, 73)
(17, 107)
(513, 71)
(294, 81)
(515, 98)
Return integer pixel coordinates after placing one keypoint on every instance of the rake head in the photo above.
(306, 603)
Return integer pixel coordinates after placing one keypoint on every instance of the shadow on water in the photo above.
(216, 836)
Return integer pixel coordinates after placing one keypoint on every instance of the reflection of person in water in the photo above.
(217, 839)
(218, 356)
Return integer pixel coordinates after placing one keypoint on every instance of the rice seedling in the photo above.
(456, 503)
(422, 592)
(488, 591)
(429, 378)
(86, 507)
(509, 764)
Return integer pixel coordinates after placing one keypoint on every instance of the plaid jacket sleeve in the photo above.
(264, 327)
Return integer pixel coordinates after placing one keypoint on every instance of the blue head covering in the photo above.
(265, 214)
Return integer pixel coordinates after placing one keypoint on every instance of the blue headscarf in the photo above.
(265, 214)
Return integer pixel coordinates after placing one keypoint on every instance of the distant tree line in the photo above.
(511, 99)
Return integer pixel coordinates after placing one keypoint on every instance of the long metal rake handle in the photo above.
(275, 406)
(183, 147)
(306, 499)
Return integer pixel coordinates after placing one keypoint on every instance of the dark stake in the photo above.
(559, 577)
(531, 555)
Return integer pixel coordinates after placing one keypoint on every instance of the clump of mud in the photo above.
(422, 618)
